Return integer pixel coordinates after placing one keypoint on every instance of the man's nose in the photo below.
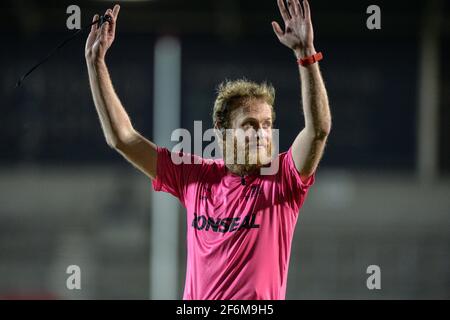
(255, 133)
(262, 134)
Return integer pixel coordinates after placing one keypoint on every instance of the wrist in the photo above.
(305, 52)
(95, 62)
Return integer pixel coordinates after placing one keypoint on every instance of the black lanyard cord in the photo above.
(100, 21)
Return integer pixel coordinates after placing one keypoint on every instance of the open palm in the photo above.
(298, 33)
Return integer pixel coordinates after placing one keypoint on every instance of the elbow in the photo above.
(113, 143)
(118, 141)
(322, 132)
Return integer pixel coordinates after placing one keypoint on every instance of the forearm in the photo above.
(308, 146)
(314, 98)
(114, 120)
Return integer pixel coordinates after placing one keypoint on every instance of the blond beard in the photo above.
(263, 158)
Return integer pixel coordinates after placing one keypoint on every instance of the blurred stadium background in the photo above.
(382, 194)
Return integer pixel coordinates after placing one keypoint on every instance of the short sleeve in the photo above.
(172, 177)
(292, 188)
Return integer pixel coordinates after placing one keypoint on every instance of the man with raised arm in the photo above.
(240, 222)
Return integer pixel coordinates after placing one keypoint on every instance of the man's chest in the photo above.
(227, 209)
(219, 199)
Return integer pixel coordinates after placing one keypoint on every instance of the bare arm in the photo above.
(309, 145)
(116, 125)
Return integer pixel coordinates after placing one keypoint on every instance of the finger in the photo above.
(115, 13)
(110, 22)
(307, 11)
(104, 31)
(109, 13)
(116, 10)
(277, 29)
(94, 26)
(283, 10)
(292, 8)
(299, 8)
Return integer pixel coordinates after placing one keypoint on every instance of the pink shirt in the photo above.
(238, 236)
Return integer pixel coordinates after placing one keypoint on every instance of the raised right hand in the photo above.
(101, 39)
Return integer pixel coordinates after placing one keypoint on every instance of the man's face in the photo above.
(254, 123)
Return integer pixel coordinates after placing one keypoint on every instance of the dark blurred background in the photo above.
(382, 191)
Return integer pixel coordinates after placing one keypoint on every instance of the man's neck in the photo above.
(243, 170)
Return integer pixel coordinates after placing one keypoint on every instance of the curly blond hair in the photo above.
(232, 94)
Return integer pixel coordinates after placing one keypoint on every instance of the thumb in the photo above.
(277, 29)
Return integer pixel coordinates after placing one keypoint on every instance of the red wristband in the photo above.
(310, 59)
